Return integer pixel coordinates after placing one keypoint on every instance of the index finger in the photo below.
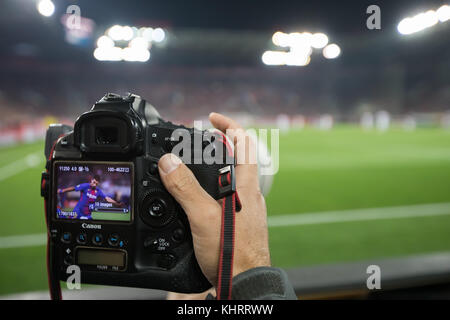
(244, 149)
(223, 123)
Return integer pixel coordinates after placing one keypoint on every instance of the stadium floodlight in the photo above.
(46, 8)
(423, 20)
(146, 33)
(277, 38)
(158, 35)
(139, 43)
(295, 39)
(443, 13)
(331, 51)
(118, 33)
(406, 26)
(105, 42)
(300, 45)
(108, 54)
(115, 32)
(298, 60)
(281, 39)
(274, 58)
(418, 23)
(307, 38)
(301, 51)
(112, 46)
(319, 40)
(135, 54)
(127, 33)
(428, 19)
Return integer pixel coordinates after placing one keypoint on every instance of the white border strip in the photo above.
(297, 219)
(400, 212)
(27, 240)
(16, 167)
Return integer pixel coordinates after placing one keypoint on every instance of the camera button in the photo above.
(166, 261)
(153, 169)
(66, 237)
(113, 97)
(68, 260)
(54, 232)
(82, 238)
(157, 208)
(113, 239)
(97, 239)
(169, 144)
(178, 234)
(154, 138)
(151, 243)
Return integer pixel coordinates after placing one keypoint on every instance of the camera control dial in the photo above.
(157, 208)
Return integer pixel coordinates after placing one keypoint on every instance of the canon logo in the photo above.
(91, 226)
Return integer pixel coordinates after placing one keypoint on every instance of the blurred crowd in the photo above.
(31, 99)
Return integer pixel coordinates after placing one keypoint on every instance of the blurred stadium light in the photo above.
(274, 58)
(424, 20)
(300, 46)
(331, 51)
(111, 45)
(319, 40)
(158, 35)
(443, 13)
(46, 8)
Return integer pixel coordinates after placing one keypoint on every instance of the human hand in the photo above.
(205, 214)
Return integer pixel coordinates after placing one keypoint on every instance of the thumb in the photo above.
(184, 187)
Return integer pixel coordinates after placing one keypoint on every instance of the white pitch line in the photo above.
(399, 212)
(16, 167)
(28, 240)
(298, 219)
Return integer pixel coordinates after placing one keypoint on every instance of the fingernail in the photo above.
(168, 163)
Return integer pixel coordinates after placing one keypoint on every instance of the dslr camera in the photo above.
(106, 208)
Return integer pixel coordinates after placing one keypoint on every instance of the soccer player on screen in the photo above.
(89, 194)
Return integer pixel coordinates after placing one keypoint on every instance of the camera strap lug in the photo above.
(44, 185)
(227, 181)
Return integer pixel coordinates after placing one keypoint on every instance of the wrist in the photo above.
(240, 268)
(262, 283)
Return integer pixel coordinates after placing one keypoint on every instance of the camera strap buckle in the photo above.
(227, 184)
(230, 205)
(227, 181)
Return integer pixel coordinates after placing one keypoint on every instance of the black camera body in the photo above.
(127, 230)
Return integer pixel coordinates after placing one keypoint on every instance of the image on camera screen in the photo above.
(93, 191)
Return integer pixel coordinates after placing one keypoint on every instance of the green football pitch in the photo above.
(317, 205)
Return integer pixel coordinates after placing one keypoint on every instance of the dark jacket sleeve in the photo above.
(263, 283)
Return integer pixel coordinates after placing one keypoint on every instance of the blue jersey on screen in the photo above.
(87, 200)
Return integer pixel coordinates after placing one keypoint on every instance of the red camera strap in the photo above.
(230, 205)
(53, 281)
(52, 275)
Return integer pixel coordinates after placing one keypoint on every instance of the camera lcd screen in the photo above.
(87, 256)
(93, 191)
